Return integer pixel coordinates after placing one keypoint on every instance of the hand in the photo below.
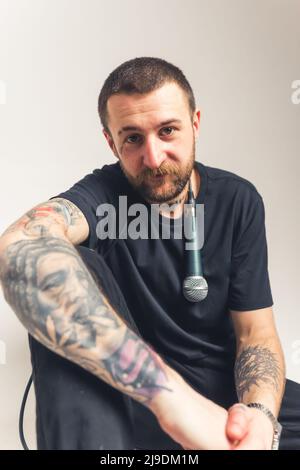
(192, 420)
(249, 428)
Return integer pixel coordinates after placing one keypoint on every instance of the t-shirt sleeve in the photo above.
(249, 287)
(84, 194)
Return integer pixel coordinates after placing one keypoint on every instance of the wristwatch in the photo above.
(276, 425)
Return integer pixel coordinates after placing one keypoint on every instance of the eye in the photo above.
(132, 139)
(136, 138)
(168, 129)
(53, 281)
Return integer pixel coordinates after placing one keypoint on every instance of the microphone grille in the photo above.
(195, 288)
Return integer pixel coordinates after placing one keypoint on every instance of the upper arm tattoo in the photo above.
(40, 221)
(70, 211)
(256, 366)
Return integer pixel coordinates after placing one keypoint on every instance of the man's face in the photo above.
(153, 136)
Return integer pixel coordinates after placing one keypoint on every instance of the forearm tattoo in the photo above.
(256, 366)
(56, 298)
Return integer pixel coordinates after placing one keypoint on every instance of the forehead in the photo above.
(168, 101)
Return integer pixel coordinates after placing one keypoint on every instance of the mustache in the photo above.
(164, 169)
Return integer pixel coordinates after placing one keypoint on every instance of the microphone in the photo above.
(195, 287)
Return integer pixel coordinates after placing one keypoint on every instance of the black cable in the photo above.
(21, 415)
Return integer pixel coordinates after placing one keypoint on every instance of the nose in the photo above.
(153, 155)
(78, 289)
(76, 293)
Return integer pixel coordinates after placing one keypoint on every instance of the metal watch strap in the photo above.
(276, 425)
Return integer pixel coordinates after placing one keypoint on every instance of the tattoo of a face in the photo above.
(54, 295)
(256, 366)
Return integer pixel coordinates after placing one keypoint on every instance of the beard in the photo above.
(163, 184)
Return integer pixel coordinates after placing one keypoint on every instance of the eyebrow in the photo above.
(136, 128)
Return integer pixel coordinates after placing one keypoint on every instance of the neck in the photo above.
(182, 196)
(180, 200)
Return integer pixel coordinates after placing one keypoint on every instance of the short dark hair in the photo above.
(141, 75)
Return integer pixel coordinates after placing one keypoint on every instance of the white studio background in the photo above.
(242, 60)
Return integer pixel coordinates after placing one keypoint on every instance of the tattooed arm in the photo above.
(259, 371)
(259, 367)
(50, 289)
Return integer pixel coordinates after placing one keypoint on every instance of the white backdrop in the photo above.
(241, 58)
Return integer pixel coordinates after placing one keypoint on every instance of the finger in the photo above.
(237, 422)
(249, 443)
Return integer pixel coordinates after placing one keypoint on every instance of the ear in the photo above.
(110, 142)
(196, 123)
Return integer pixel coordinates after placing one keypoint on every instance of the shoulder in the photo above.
(112, 170)
(105, 175)
(221, 176)
(229, 186)
(102, 184)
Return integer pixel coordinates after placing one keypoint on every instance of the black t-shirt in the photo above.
(192, 337)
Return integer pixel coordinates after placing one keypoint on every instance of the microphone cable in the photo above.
(21, 415)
